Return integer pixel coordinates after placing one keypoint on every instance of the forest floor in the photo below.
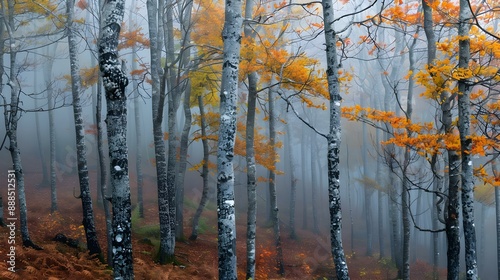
(308, 257)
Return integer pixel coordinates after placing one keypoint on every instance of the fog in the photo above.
(363, 168)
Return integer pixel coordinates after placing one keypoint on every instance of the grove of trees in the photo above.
(347, 120)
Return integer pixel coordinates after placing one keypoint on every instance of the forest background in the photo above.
(418, 83)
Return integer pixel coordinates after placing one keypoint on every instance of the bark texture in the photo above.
(115, 81)
(250, 155)
(81, 154)
(166, 251)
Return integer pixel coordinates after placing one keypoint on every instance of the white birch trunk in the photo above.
(115, 81)
(231, 35)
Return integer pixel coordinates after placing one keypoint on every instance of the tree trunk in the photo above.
(416, 232)
(6, 118)
(314, 181)
(497, 215)
(437, 187)
(303, 157)
(452, 215)
(185, 84)
(251, 174)
(380, 200)
(137, 119)
(435, 166)
(464, 122)
(52, 130)
(138, 142)
(95, 101)
(204, 172)
(183, 162)
(11, 122)
(272, 185)
(293, 177)
(405, 196)
(394, 201)
(115, 82)
(81, 155)
(166, 251)
(225, 147)
(368, 192)
(334, 138)
(394, 197)
(103, 174)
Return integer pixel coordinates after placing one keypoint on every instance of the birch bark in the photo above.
(231, 35)
(115, 82)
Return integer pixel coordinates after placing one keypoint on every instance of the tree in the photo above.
(464, 128)
(167, 246)
(250, 151)
(497, 213)
(294, 179)
(137, 119)
(185, 87)
(204, 173)
(12, 111)
(115, 81)
(225, 148)
(333, 142)
(47, 73)
(83, 176)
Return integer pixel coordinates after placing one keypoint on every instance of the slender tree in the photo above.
(185, 9)
(41, 154)
(497, 214)
(48, 79)
(166, 251)
(272, 182)
(171, 87)
(333, 143)
(12, 114)
(293, 177)
(464, 128)
(115, 81)
(250, 151)
(204, 172)
(437, 179)
(231, 35)
(315, 168)
(83, 174)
